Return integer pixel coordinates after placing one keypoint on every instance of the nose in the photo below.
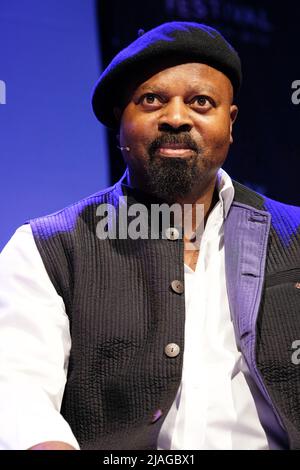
(175, 114)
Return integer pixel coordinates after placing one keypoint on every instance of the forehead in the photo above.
(186, 77)
(170, 76)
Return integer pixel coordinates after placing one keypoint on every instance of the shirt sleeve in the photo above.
(35, 346)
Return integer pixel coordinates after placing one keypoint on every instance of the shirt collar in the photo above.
(226, 191)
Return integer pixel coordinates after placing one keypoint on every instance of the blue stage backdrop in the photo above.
(52, 149)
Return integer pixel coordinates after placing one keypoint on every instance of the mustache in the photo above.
(183, 139)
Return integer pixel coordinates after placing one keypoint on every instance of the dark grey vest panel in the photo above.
(123, 313)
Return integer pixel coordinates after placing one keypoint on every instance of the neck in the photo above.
(206, 201)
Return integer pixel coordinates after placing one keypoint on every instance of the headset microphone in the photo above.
(124, 148)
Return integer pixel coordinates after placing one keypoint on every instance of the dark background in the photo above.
(265, 154)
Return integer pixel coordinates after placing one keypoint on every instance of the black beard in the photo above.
(170, 178)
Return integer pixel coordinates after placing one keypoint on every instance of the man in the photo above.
(174, 346)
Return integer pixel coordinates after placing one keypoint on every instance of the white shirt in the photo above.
(214, 408)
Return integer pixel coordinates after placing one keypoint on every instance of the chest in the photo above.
(191, 258)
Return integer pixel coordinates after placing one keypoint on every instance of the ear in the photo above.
(233, 115)
(117, 113)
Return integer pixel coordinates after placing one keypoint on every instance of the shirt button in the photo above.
(297, 285)
(172, 350)
(156, 415)
(172, 233)
(177, 286)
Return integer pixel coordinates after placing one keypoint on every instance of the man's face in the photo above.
(178, 125)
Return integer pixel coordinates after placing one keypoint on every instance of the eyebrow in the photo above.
(191, 89)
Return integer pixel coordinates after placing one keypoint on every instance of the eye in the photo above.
(203, 102)
(150, 99)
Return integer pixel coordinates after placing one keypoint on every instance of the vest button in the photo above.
(156, 415)
(172, 233)
(172, 350)
(177, 286)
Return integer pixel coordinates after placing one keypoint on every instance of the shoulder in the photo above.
(279, 211)
(68, 218)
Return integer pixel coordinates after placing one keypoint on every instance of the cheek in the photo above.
(130, 126)
(217, 133)
(215, 141)
(137, 132)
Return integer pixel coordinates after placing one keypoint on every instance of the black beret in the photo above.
(179, 42)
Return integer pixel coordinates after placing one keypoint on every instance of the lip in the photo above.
(177, 151)
(175, 145)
